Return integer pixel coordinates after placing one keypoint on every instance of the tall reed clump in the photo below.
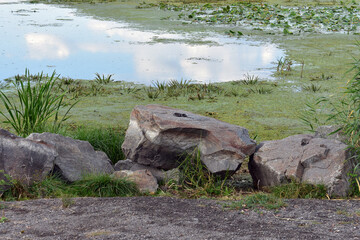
(351, 121)
(345, 112)
(34, 104)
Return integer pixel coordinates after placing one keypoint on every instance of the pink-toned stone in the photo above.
(160, 136)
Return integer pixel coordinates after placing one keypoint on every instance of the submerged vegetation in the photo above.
(262, 16)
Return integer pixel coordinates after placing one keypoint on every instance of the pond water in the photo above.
(46, 38)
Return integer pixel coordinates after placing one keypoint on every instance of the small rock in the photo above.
(143, 179)
(160, 175)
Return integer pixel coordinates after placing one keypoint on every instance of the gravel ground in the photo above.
(171, 218)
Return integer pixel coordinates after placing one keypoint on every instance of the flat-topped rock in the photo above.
(159, 136)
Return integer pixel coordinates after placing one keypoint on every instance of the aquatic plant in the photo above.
(161, 86)
(102, 79)
(152, 93)
(182, 84)
(311, 88)
(284, 66)
(262, 16)
(323, 77)
(67, 80)
(260, 90)
(250, 79)
(33, 106)
(96, 89)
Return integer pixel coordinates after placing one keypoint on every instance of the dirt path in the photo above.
(170, 218)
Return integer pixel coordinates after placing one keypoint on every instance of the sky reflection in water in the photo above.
(47, 38)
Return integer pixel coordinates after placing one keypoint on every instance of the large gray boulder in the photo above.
(304, 158)
(75, 158)
(159, 136)
(24, 160)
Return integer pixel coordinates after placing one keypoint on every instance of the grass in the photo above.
(102, 79)
(89, 186)
(106, 139)
(257, 201)
(299, 190)
(311, 88)
(34, 105)
(3, 219)
(196, 180)
(250, 80)
(345, 113)
(103, 186)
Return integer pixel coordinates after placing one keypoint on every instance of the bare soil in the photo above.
(171, 218)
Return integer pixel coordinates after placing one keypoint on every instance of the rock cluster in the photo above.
(159, 137)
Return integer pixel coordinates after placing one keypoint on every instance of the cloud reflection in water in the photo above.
(83, 46)
(46, 46)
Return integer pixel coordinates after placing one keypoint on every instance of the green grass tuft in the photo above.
(103, 186)
(196, 180)
(108, 140)
(89, 186)
(34, 104)
(256, 201)
(299, 190)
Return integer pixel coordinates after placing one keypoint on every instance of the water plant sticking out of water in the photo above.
(250, 79)
(152, 93)
(284, 66)
(260, 90)
(323, 77)
(273, 18)
(311, 88)
(102, 79)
